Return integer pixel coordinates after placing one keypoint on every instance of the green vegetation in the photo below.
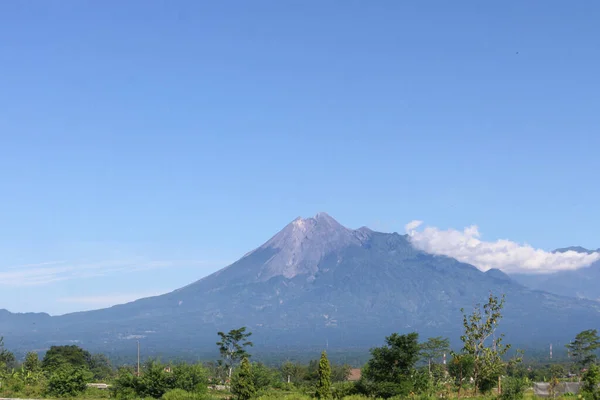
(324, 381)
(242, 384)
(232, 347)
(583, 348)
(403, 368)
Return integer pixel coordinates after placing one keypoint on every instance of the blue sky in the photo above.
(145, 144)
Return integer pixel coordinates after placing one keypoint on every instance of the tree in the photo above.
(590, 381)
(584, 346)
(480, 327)
(242, 384)
(324, 382)
(395, 361)
(7, 358)
(67, 381)
(100, 367)
(264, 377)
(292, 372)
(58, 356)
(32, 362)
(434, 348)
(461, 369)
(390, 370)
(232, 346)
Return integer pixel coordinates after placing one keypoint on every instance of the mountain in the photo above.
(580, 283)
(315, 282)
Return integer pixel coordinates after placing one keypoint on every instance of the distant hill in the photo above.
(581, 283)
(316, 283)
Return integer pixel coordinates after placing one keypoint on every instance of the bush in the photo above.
(513, 388)
(342, 390)
(68, 382)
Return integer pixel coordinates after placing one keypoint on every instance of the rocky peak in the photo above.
(301, 245)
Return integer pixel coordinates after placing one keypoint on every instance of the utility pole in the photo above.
(138, 358)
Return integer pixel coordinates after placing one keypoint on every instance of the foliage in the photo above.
(583, 347)
(395, 361)
(100, 367)
(156, 380)
(324, 382)
(461, 369)
(60, 356)
(263, 377)
(67, 381)
(32, 362)
(340, 390)
(189, 377)
(479, 328)
(390, 371)
(591, 380)
(180, 394)
(292, 372)
(232, 346)
(434, 348)
(242, 384)
(513, 388)
(7, 358)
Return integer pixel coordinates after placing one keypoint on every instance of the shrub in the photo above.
(513, 388)
(342, 390)
(68, 382)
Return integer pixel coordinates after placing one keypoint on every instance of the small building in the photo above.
(354, 375)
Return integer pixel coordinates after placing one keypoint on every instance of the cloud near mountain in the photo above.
(505, 255)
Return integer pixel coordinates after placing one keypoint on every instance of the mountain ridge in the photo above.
(312, 280)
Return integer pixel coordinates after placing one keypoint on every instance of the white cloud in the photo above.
(50, 272)
(505, 255)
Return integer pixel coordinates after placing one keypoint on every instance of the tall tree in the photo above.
(480, 343)
(242, 384)
(32, 362)
(584, 346)
(324, 382)
(232, 346)
(434, 348)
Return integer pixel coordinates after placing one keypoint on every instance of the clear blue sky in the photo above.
(145, 144)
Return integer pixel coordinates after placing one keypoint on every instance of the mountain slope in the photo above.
(581, 283)
(318, 282)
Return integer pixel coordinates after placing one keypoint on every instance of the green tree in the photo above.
(292, 372)
(263, 377)
(7, 358)
(192, 378)
(32, 362)
(324, 382)
(59, 356)
(154, 380)
(232, 347)
(394, 361)
(100, 367)
(460, 369)
(67, 381)
(242, 383)
(390, 370)
(590, 381)
(480, 328)
(434, 348)
(584, 346)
